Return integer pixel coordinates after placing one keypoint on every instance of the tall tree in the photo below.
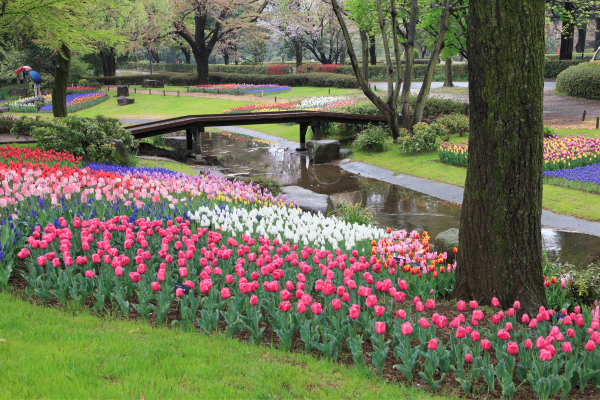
(205, 23)
(500, 243)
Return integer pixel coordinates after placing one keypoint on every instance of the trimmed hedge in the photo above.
(576, 57)
(582, 80)
(553, 68)
(176, 79)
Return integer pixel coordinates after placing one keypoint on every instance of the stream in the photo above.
(393, 206)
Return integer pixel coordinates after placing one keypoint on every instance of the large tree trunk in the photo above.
(364, 44)
(566, 36)
(500, 243)
(372, 50)
(597, 38)
(187, 55)
(448, 73)
(109, 62)
(409, 57)
(581, 34)
(61, 81)
(225, 57)
(298, 49)
(202, 66)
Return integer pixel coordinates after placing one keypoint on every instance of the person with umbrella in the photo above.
(20, 72)
(37, 80)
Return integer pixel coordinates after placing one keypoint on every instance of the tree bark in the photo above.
(581, 34)
(448, 73)
(566, 36)
(372, 50)
(61, 81)
(109, 62)
(298, 50)
(500, 243)
(364, 44)
(187, 55)
(409, 57)
(597, 38)
(225, 57)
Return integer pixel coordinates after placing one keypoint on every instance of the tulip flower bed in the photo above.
(234, 88)
(81, 101)
(559, 153)
(81, 89)
(205, 253)
(310, 104)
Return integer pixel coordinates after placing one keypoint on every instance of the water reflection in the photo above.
(394, 206)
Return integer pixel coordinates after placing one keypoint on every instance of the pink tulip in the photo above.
(468, 357)
(336, 304)
(460, 332)
(301, 308)
(135, 277)
(517, 305)
(379, 310)
(473, 304)
(316, 308)
(89, 274)
(401, 314)
(566, 347)
(545, 355)
(354, 311)
(503, 334)
(486, 344)
(495, 302)
(590, 345)
(253, 300)
(525, 318)
(430, 304)
(407, 329)
(225, 294)
(475, 336)
(420, 307)
(179, 292)
(528, 344)
(461, 306)
(512, 348)
(155, 286)
(433, 344)
(380, 327)
(285, 306)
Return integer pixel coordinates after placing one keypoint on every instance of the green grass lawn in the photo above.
(51, 353)
(577, 132)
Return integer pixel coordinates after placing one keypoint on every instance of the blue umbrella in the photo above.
(36, 77)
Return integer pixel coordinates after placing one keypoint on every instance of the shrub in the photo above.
(548, 132)
(439, 106)
(373, 137)
(455, 124)
(425, 138)
(583, 284)
(271, 185)
(327, 68)
(553, 68)
(352, 213)
(582, 80)
(83, 83)
(6, 122)
(80, 136)
(279, 69)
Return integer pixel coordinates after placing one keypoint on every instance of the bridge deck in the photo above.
(194, 124)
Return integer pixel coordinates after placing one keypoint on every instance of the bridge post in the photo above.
(189, 142)
(303, 129)
(197, 139)
(316, 128)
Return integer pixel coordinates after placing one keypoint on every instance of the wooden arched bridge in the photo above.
(195, 124)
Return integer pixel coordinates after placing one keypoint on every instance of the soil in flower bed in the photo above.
(444, 307)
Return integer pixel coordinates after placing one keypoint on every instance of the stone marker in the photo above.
(4, 109)
(446, 242)
(308, 200)
(322, 151)
(345, 153)
(122, 91)
(123, 101)
(150, 83)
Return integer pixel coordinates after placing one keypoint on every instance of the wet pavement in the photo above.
(396, 206)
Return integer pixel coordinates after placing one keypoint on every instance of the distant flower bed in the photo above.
(559, 153)
(234, 88)
(81, 89)
(77, 102)
(587, 174)
(311, 104)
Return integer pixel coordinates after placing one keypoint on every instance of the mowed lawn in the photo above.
(48, 353)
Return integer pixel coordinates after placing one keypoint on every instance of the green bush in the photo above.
(583, 284)
(373, 138)
(425, 138)
(80, 136)
(352, 213)
(576, 57)
(272, 186)
(553, 68)
(582, 80)
(549, 132)
(455, 124)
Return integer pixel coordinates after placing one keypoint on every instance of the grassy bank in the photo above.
(50, 353)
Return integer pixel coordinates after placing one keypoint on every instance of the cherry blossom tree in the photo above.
(204, 24)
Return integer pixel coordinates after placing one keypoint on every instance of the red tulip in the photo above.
(441, 322)
(179, 292)
(485, 344)
(225, 294)
(570, 333)
(354, 311)
(419, 307)
(468, 357)
(135, 277)
(513, 348)
(475, 336)
(155, 286)
(460, 332)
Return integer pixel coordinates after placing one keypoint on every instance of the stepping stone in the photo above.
(308, 200)
(323, 151)
(344, 153)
